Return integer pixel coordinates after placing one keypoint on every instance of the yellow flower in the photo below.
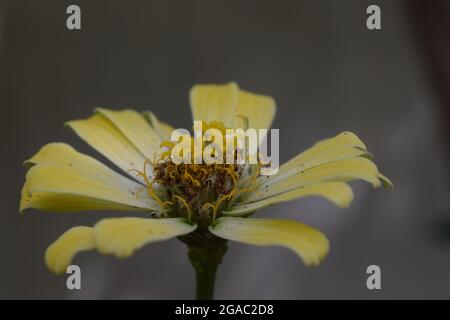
(197, 203)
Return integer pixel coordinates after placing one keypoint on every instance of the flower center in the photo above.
(199, 192)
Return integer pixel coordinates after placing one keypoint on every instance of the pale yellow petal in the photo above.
(343, 139)
(344, 145)
(163, 129)
(212, 102)
(289, 169)
(135, 128)
(258, 110)
(122, 236)
(65, 202)
(338, 193)
(387, 183)
(69, 182)
(308, 243)
(341, 170)
(60, 253)
(103, 136)
(62, 179)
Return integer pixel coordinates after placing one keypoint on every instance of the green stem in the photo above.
(205, 281)
(205, 252)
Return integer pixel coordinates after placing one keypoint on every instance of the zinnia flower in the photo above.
(203, 205)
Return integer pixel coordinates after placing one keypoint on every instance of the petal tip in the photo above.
(385, 181)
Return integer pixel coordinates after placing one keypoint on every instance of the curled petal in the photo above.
(62, 179)
(342, 170)
(122, 236)
(60, 253)
(308, 243)
(338, 193)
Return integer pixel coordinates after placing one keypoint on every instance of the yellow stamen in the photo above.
(187, 176)
(208, 205)
(232, 174)
(186, 205)
(139, 191)
(150, 191)
(217, 205)
(191, 185)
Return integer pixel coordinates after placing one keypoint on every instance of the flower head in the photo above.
(198, 203)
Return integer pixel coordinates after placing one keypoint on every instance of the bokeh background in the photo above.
(327, 72)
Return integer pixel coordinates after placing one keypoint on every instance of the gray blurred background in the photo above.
(327, 72)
